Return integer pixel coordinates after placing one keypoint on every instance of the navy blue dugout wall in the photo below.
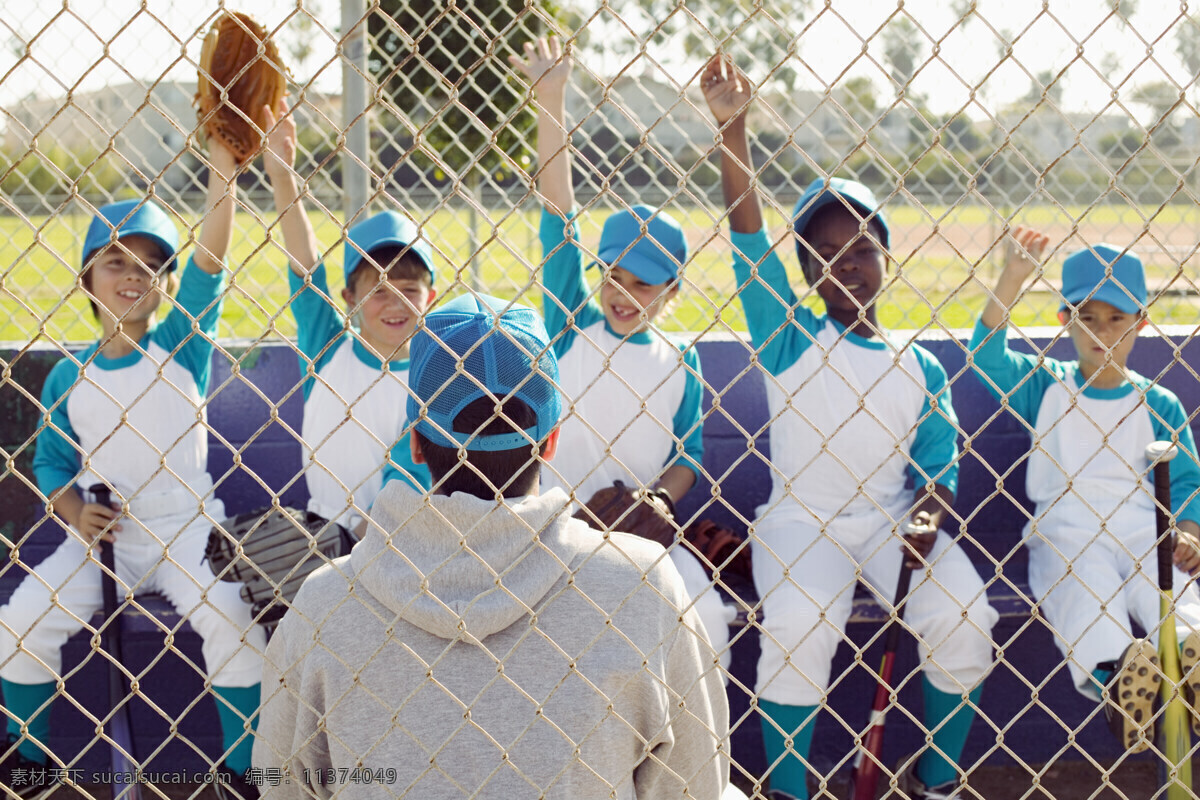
(1030, 711)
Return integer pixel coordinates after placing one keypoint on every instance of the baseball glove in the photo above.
(240, 72)
(270, 552)
(720, 549)
(620, 508)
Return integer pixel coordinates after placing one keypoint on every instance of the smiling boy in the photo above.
(355, 428)
(1094, 521)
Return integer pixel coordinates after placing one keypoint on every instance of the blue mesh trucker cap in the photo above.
(385, 228)
(1085, 277)
(849, 193)
(138, 217)
(656, 255)
(478, 346)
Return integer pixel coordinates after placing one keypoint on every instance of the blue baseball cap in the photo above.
(478, 346)
(821, 193)
(646, 241)
(139, 217)
(381, 230)
(1086, 277)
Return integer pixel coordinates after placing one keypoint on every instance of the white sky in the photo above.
(68, 46)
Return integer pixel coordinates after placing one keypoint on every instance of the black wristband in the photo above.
(665, 496)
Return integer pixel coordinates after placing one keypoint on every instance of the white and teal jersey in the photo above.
(1087, 467)
(355, 428)
(137, 422)
(853, 420)
(632, 403)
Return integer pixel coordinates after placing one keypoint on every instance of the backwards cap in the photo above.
(384, 229)
(654, 255)
(139, 217)
(1086, 277)
(844, 192)
(478, 346)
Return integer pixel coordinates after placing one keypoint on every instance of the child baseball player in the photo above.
(856, 414)
(128, 413)
(634, 393)
(479, 646)
(355, 430)
(1091, 420)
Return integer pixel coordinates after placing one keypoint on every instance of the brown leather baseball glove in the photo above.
(621, 508)
(240, 73)
(718, 548)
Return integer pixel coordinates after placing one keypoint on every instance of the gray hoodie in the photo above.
(494, 651)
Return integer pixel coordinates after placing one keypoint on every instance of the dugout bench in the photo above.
(1030, 711)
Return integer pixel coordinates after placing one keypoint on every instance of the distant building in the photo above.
(147, 126)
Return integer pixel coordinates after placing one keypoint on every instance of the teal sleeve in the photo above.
(400, 467)
(56, 459)
(319, 323)
(780, 328)
(934, 452)
(1171, 424)
(1018, 380)
(686, 425)
(191, 326)
(566, 306)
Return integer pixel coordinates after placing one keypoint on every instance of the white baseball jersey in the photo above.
(136, 422)
(355, 428)
(854, 421)
(632, 403)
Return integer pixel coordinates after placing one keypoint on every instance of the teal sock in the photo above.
(787, 766)
(1102, 676)
(236, 705)
(950, 718)
(29, 702)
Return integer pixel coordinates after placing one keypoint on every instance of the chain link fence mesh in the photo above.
(967, 119)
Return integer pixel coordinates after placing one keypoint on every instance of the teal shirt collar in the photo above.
(128, 360)
(374, 362)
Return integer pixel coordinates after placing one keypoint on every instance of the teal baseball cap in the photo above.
(1104, 272)
(646, 241)
(387, 228)
(479, 346)
(852, 194)
(139, 217)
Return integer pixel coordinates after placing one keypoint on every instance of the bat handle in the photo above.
(1162, 514)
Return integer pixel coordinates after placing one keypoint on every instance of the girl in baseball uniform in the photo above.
(128, 414)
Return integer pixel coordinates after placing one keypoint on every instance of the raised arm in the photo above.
(547, 68)
(728, 94)
(216, 231)
(1022, 253)
(279, 160)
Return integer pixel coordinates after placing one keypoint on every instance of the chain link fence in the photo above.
(966, 119)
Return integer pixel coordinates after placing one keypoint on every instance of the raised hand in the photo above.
(281, 137)
(1023, 249)
(545, 65)
(725, 88)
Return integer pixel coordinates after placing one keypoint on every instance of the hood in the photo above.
(460, 567)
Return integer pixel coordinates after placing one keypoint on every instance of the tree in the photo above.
(444, 68)
(1187, 45)
(857, 96)
(1162, 98)
(1045, 84)
(903, 48)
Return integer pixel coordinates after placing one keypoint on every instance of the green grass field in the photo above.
(935, 285)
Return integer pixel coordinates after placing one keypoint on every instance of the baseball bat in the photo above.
(866, 763)
(120, 726)
(1176, 736)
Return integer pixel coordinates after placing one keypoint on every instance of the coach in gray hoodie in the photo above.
(476, 647)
